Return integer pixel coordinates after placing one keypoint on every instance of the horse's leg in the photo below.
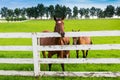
(87, 50)
(84, 54)
(68, 54)
(49, 56)
(43, 53)
(77, 53)
(63, 69)
(44, 56)
(58, 55)
(61, 56)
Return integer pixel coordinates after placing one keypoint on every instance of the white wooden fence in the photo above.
(36, 60)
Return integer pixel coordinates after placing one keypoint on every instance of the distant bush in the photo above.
(7, 18)
(15, 19)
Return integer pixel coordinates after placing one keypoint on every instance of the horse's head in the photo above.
(59, 26)
(75, 39)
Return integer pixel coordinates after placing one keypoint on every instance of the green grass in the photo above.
(54, 78)
(41, 25)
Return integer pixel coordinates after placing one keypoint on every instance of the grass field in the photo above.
(83, 25)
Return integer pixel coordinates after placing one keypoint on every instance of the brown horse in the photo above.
(51, 41)
(84, 40)
(59, 27)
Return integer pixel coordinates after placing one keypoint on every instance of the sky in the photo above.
(69, 3)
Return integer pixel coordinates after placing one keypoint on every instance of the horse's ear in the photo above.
(63, 17)
(54, 18)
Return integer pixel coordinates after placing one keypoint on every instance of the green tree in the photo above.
(35, 12)
(4, 12)
(100, 13)
(82, 12)
(86, 13)
(23, 12)
(47, 12)
(69, 12)
(51, 11)
(17, 12)
(118, 11)
(93, 11)
(75, 11)
(29, 12)
(109, 11)
(64, 11)
(10, 13)
(41, 10)
(58, 10)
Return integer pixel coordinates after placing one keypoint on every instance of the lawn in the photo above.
(41, 25)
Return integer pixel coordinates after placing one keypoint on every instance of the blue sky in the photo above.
(71, 3)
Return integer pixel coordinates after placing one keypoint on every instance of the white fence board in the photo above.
(81, 74)
(81, 60)
(85, 33)
(68, 34)
(35, 55)
(16, 73)
(93, 33)
(63, 47)
(16, 48)
(55, 73)
(79, 47)
(16, 60)
(15, 35)
(59, 60)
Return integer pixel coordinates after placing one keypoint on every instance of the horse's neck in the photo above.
(59, 41)
(55, 29)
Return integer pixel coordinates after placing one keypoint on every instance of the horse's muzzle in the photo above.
(63, 34)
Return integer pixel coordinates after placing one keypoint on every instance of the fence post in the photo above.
(35, 55)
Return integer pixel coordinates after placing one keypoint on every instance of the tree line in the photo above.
(40, 11)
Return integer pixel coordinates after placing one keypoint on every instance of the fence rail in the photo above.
(68, 34)
(36, 60)
(59, 60)
(81, 74)
(63, 47)
(56, 73)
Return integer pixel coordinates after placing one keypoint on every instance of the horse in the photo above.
(83, 40)
(51, 41)
(59, 27)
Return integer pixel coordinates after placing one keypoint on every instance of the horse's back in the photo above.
(85, 40)
(46, 31)
(47, 40)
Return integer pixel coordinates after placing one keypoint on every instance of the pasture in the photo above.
(83, 25)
